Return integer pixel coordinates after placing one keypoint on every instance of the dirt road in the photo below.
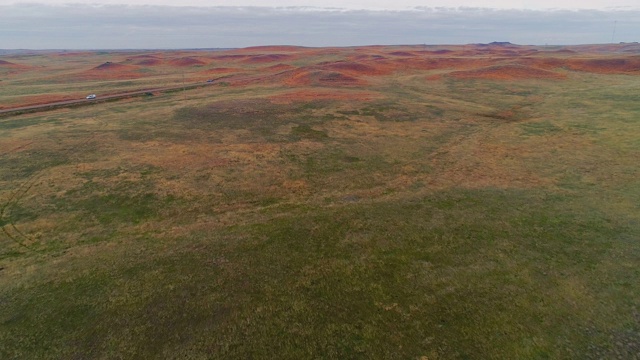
(99, 98)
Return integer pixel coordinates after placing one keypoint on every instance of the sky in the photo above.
(162, 24)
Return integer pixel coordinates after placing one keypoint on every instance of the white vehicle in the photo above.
(91, 97)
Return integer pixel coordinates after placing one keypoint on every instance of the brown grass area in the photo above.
(41, 99)
(507, 72)
(483, 164)
(308, 95)
(111, 75)
(182, 156)
(188, 160)
(11, 146)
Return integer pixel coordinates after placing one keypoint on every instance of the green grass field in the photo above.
(438, 219)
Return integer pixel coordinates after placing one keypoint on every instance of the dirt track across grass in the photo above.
(100, 98)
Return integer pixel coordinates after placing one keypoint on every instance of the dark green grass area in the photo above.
(453, 275)
(254, 114)
(260, 119)
(15, 213)
(539, 128)
(25, 166)
(113, 202)
(10, 124)
(304, 131)
(386, 111)
(117, 207)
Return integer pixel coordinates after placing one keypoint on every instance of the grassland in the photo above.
(371, 203)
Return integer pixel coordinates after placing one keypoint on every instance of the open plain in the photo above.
(384, 202)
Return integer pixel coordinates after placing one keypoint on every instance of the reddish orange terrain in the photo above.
(313, 72)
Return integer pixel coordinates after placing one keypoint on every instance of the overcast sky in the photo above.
(109, 24)
(368, 4)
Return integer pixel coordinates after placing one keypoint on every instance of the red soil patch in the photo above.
(629, 65)
(109, 71)
(186, 61)
(507, 72)
(261, 59)
(309, 95)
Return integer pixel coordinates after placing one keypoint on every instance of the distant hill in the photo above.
(497, 43)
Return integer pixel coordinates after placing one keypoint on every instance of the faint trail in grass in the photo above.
(24, 188)
(16, 149)
(17, 241)
(14, 198)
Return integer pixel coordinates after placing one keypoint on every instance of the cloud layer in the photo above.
(370, 4)
(145, 26)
